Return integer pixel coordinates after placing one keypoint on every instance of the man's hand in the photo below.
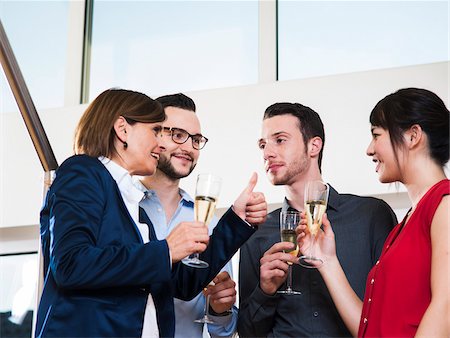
(250, 205)
(187, 238)
(222, 294)
(274, 267)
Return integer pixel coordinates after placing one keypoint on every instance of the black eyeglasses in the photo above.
(180, 136)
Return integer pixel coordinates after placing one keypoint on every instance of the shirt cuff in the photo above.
(263, 298)
(224, 326)
(223, 314)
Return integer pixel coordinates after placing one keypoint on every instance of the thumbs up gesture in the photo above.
(251, 205)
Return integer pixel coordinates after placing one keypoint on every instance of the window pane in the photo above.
(37, 32)
(328, 37)
(161, 47)
(18, 294)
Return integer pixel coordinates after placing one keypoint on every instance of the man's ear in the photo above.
(120, 128)
(315, 146)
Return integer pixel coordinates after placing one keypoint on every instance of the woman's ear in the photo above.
(315, 146)
(120, 128)
(414, 136)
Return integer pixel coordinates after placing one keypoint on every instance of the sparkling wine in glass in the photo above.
(288, 222)
(206, 194)
(316, 199)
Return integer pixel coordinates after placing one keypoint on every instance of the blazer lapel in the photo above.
(143, 218)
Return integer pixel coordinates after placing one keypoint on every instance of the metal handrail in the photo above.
(35, 130)
(25, 104)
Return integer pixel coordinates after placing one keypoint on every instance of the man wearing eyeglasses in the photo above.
(167, 205)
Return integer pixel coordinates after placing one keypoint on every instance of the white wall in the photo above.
(231, 119)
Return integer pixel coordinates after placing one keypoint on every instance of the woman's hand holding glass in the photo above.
(316, 200)
(206, 194)
(325, 245)
(187, 238)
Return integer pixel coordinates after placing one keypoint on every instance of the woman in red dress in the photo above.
(407, 291)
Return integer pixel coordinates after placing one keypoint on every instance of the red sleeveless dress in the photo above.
(398, 288)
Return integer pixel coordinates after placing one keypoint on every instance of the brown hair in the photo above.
(94, 135)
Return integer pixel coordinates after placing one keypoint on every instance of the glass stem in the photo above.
(313, 244)
(207, 306)
(289, 278)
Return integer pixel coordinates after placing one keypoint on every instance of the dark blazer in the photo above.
(98, 272)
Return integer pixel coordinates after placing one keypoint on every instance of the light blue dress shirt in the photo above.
(187, 312)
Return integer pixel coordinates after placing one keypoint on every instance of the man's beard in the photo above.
(167, 168)
(296, 168)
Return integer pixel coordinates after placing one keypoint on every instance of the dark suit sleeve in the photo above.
(256, 309)
(383, 221)
(228, 236)
(74, 213)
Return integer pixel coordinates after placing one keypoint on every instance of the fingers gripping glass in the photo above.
(206, 193)
(288, 222)
(316, 200)
(180, 136)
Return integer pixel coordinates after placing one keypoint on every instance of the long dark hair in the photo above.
(406, 107)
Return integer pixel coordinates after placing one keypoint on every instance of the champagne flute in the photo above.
(206, 319)
(288, 222)
(206, 193)
(316, 199)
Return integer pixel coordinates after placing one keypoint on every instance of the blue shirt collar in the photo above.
(184, 195)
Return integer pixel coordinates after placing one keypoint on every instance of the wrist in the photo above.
(329, 266)
(242, 216)
(268, 291)
(219, 314)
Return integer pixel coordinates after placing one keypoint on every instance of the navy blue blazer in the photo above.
(98, 272)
